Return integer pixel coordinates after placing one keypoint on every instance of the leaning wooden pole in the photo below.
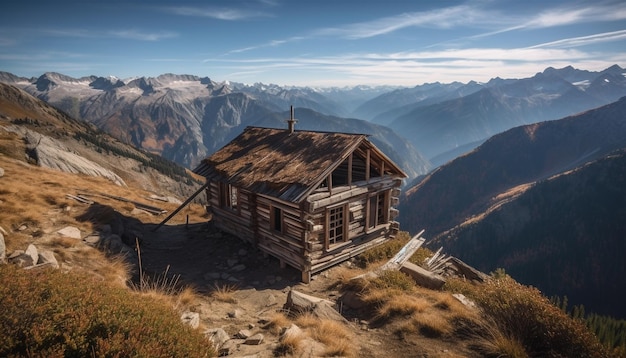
(181, 206)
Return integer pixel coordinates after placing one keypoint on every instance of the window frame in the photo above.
(331, 237)
(230, 197)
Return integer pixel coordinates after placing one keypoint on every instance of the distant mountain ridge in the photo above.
(438, 128)
(186, 118)
(544, 201)
(33, 130)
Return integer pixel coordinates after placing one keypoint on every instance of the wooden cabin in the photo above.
(310, 199)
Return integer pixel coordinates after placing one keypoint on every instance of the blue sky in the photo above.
(314, 43)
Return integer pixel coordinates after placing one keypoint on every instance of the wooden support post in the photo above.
(306, 276)
(181, 206)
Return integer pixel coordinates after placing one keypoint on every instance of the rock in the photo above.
(31, 251)
(212, 276)
(191, 318)
(303, 302)
(71, 232)
(217, 336)
(353, 300)
(291, 332)
(51, 153)
(137, 212)
(47, 257)
(235, 314)
(270, 300)
(319, 307)
(227, 348)
(323, 311)
(243, 334)
(231, 262)
(15, 254)
(254, 340)
(92, 240)
(3, 250)
(21, 260)
(464, 300)
(1, 172)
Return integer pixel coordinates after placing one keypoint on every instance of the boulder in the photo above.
(191, 318)
(319, 307)
(303, 302)
(47, 257)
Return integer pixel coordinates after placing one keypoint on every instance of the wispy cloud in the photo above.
(574, 15)
(227, 14)
(585, 40)
(462, 15)
(272, 43)
(400, 68)
(129, 34)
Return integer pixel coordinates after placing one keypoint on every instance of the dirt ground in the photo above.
(207, 259)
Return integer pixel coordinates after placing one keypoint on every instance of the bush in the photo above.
(51, 313)
(526, 316)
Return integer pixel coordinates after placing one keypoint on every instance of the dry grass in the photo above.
(336, 337)
(306, 320)
(224, 293)
(63, 242)
(277, 322)
(402, 305)
(493, 342)
(289, 345)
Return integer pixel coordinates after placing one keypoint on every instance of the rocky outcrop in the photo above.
(50, 153)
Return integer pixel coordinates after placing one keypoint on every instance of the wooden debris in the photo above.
(422, 276)
(404, 254)
(149, 208)
(79, 198)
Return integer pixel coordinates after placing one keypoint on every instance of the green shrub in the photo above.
(54, 314)
(525, 315)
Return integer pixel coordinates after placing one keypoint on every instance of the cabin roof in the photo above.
(285, 165)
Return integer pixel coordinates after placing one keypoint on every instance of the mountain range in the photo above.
(184, 118)
(545, 201)
(32, 130)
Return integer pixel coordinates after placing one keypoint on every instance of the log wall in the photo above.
(301, 240)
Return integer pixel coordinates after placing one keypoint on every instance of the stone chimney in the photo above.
(291, 122)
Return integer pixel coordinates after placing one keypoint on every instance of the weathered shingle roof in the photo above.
(279, 163)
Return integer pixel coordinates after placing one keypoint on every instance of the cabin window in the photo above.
(377, 210)
(229, 196)
(336, 225)
(277, 219)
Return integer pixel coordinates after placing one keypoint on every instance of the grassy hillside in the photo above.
(564, 235)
